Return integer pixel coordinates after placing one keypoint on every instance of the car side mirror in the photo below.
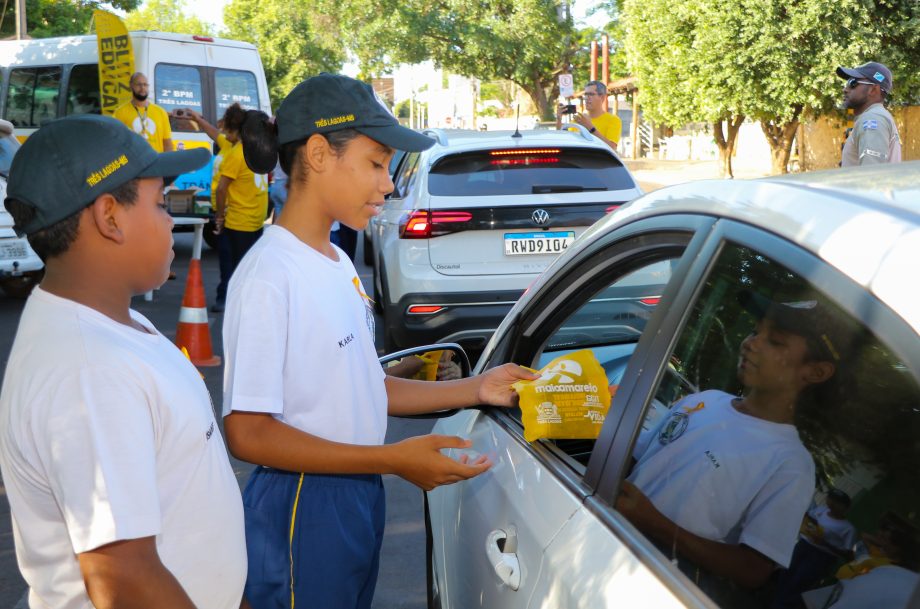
(430, 363)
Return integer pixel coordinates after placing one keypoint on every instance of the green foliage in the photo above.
(403, 109)
(296, 40)
(45, 18)
(166, 16)
(523, 41)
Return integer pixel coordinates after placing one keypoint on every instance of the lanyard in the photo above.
(143, 119)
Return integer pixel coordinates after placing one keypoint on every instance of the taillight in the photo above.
(424, 309)
(650, 300)
(424, 224)
(612, 208)
(203, 38)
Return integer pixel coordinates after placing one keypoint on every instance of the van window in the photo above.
(178, 87)
(234, 86)
(83, 90)
(33, 96)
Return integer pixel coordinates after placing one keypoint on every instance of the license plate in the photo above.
(11, 251)
(525, 244)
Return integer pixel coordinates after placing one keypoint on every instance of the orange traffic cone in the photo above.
(192, 333)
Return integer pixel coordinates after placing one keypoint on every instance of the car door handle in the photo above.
(500, 549)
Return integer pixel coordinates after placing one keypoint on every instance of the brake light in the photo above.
(424, 309)
(612, 208)
(424, 224)
(650, 300)
(203, 38)
(523, 151)
(528, 161)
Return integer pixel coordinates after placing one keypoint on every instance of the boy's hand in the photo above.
(495, 384)
(419, 460)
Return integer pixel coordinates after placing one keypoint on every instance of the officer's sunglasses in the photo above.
(851, 84)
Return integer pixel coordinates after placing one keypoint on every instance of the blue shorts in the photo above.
(313, 540)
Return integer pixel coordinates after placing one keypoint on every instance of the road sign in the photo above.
(566, 85)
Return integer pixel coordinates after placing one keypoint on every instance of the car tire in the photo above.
(208, 233)
(434, 596)
(368, 251)
(20, 287)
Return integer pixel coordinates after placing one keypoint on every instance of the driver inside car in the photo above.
(722, 481)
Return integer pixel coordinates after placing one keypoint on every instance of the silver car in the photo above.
(20, 267)
(803, 491)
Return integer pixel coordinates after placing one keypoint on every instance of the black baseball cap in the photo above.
(69, 162)
(331, 102)
(872, 72)
(806, 315)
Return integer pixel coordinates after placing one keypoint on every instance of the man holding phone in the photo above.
(603, 125)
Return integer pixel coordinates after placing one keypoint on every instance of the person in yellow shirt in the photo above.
(148, 120)
(226, 135)
(603, 125)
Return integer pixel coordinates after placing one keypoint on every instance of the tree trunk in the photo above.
(537, 93)
(726, 141)
(780, 136)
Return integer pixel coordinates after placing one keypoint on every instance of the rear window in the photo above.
(235, 86)
(522, 171)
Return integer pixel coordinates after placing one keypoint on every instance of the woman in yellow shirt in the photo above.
(238, 196)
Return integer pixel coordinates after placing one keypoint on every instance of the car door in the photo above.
(490, 534)
(857, 428)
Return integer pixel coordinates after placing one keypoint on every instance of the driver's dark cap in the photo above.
(69, 162)
(807, 315)
(331, 102)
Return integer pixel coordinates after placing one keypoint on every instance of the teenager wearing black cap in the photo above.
(874, 138)
(744, 450)
(120, 488)
(304, 394)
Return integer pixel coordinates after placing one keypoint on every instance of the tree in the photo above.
(526, 42)
(46, 18)
(166, 16)
(295, 40)
(771, 60)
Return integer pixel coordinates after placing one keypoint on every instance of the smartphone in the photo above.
(570, 109)
(182, 113)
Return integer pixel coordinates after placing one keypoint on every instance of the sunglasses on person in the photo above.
(853, 82)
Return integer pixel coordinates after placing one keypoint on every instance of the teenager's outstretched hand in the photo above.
(419, 460)
(495, 384)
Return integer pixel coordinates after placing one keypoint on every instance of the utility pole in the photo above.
(21, 20)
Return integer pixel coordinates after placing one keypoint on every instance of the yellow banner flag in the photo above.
(116, 61)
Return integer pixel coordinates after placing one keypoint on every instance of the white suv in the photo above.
(475, 219)
(20, 266)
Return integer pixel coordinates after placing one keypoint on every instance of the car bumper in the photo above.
(468, 319)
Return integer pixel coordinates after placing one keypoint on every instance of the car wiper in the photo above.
(542, 189)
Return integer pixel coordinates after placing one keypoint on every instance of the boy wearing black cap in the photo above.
(874, 138)
(120, 489)
(725, 480)
(304, 394)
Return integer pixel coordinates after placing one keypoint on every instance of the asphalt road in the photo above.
(402, 570)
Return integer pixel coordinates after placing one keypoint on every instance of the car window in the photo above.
(777, 457)
(235, 86)
(32, 96)
(406, 172)
(527, 171)
(83, 90)
(608, 323)
(178, 87)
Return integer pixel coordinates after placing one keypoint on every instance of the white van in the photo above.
(47, 78)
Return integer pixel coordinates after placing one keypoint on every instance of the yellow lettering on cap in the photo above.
(338, 120)
(101, 174)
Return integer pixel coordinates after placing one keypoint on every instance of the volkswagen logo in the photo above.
(540, 217)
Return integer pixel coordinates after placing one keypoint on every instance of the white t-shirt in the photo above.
(107, 433)
(880, 588)
(840, 534)
(298, 339)
(727, 476)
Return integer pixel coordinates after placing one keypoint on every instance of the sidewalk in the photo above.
(653, 174)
